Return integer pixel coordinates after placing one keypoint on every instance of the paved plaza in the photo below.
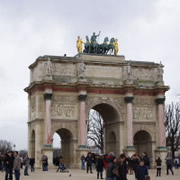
(77, 174)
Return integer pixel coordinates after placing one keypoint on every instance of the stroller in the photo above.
(61, 166)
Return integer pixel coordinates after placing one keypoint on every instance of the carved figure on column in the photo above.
(48, 74)
(129, 71)
(81, 70)
(160, 72)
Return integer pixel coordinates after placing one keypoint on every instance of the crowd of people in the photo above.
(11, 163)
(117, 168)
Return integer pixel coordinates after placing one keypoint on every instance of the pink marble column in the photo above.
(47, 120)
(82, 122)
(161, 126)
(128, 100)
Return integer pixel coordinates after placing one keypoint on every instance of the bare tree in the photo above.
(5, 146)
(95, 130)
(172, 123)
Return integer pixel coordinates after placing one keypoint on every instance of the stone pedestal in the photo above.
(162, 153)
(79, 152)
(48, 151)
(129, 150)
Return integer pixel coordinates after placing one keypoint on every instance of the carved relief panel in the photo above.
(64, 107)
(143, 109)
(143, 74)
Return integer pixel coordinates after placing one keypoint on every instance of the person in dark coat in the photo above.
(32, 162)
(99, 166)
(169, 162)
(141, 171)
(121, 169)
(8, 162)
(158, 166)
(135, 163)
(110, 167)
(146, 160)
(89, 162)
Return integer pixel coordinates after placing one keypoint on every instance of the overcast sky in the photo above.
(146, 30)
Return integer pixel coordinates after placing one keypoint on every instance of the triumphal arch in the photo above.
(129, 95)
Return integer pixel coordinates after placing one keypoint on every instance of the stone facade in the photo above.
(129, 95)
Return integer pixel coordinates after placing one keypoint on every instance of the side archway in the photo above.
(67, 146)
(143, 143)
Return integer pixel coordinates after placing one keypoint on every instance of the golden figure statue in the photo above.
(79, 43)
(116, 49)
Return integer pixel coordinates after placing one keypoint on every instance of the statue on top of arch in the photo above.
(92, 46)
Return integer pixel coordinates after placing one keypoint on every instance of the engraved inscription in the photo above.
(103, 71)
(65, 69)
(142, 74)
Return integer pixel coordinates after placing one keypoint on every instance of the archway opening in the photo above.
(102, 123)
(32, 144)
(143, 143)
(63, 146)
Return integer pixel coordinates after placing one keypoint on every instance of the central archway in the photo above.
(111, 131)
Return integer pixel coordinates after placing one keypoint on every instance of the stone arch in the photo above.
(110, 116)
(95, 103)
(143, 142)
(32, 144)
(67, 146)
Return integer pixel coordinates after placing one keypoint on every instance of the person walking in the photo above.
(9, 160)
(141, 171)
(99, 166)
(121, 168)
(109, 171)
(32, 162)
(158, 166)
(26, 164)
(89, 162)
(17, 165)
(169, 163)
(83, 162)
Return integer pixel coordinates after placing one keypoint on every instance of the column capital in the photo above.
(160, 100)
(48, 96)
(128, 99)
(82, 97)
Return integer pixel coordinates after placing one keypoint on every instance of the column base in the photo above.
(161, 152)
(47, 150)
(82, 149)
(129, 150)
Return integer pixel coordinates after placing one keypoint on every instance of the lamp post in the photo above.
(14, 147)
